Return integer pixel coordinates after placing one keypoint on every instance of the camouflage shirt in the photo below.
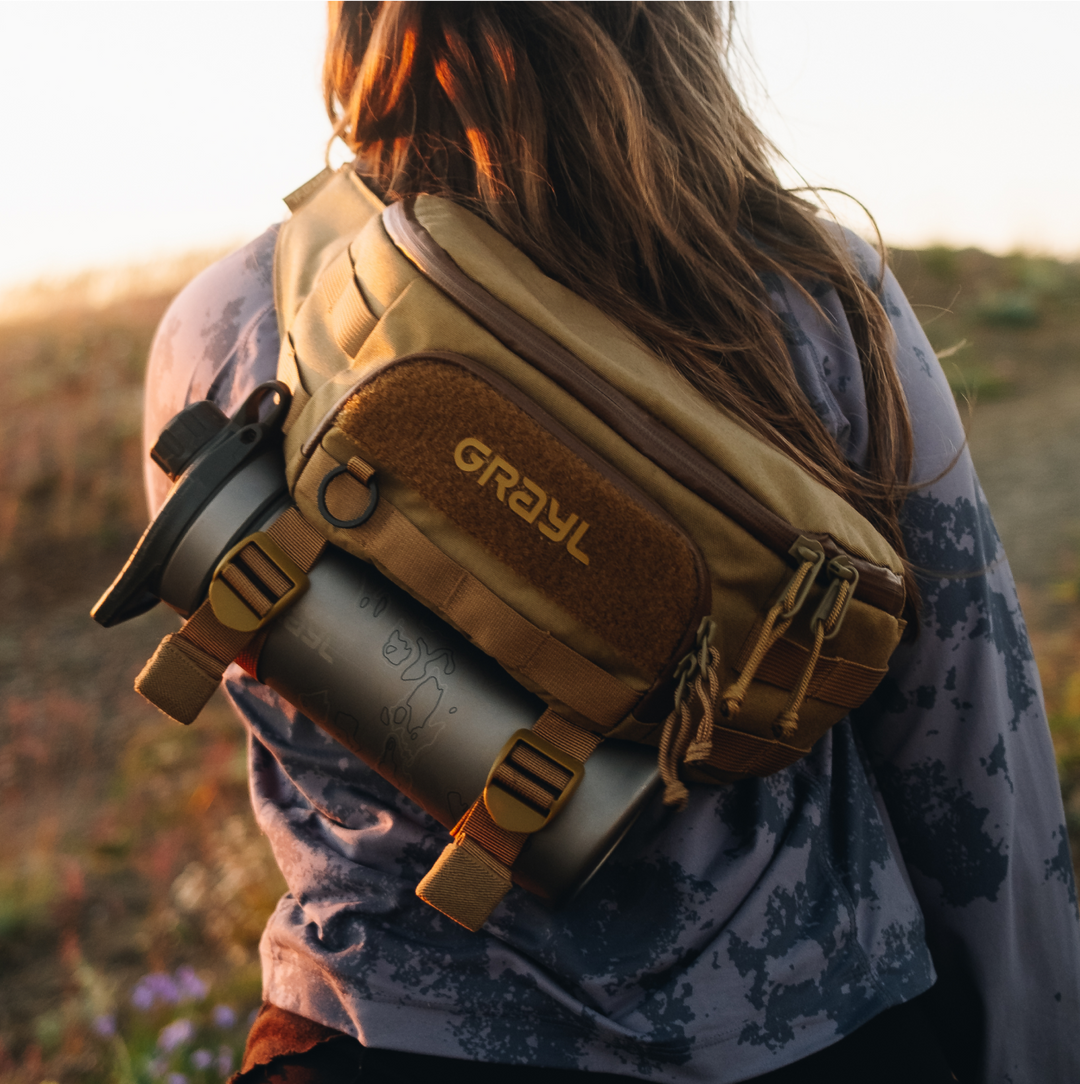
(922, 839)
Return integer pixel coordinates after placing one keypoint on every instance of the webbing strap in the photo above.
(480, 827)
(394, 543)
(472, 874)
(187, 666)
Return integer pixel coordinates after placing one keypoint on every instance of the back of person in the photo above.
(919, 847)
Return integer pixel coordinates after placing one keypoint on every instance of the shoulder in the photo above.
(217, 340)
(935, 420)
(826, 362)
(209, 317)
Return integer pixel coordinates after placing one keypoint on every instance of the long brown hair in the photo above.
(606, 140)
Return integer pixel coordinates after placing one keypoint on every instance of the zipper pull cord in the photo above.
(777, 621)
(702, 667)
(825, 624)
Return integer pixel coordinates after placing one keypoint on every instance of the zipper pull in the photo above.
(811, 557)
(825, 624)
(700, 666)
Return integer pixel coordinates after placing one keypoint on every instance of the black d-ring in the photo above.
(346, 524)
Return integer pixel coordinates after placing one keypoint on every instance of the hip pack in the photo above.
(529, 471)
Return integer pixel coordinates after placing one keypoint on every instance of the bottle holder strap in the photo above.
(473, 874)
(257, 578)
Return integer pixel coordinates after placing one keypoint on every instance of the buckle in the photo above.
(516, 812)
(264, 600)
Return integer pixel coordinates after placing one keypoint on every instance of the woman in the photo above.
(897, 906)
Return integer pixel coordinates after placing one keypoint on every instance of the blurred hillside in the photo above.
(129, 850)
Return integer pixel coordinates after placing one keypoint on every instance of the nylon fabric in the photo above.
(243, 586)
(521, 784)
(297, 538)
(266, 570)
(529, 760)
(447, 293)
(205, 631)
(451, 880)
(174, 683)
(836, 681)
(580, 744)
(466, 884)
(611, 351)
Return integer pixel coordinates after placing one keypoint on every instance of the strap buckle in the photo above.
(250, 587)
(530, 781)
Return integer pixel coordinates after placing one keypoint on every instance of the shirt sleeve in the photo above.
(218, 340)
(959, 745)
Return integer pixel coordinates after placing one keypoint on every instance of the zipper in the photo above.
(876, 585)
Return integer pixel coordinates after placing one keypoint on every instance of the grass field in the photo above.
(133, 883)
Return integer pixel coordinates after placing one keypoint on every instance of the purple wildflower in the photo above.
(174, 1034)
(225, 1061)
(201, 1058)
(223, 1016)
(104, 1025)
(189, 986)
(153, 988)
(164, 987)
(176, 1078)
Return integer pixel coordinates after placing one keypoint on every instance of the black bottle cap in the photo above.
(186, 435)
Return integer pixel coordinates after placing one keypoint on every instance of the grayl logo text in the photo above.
(526, 500)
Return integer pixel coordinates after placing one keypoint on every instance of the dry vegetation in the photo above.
(128, 849)
(128, 846)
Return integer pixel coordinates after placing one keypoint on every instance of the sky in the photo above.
(137, 130)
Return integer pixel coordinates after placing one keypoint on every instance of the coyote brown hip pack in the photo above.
(530, 472)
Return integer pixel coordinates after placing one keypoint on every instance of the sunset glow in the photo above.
(135, 130)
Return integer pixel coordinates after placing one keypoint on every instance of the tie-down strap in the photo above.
(257, 578)
(530, 781)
